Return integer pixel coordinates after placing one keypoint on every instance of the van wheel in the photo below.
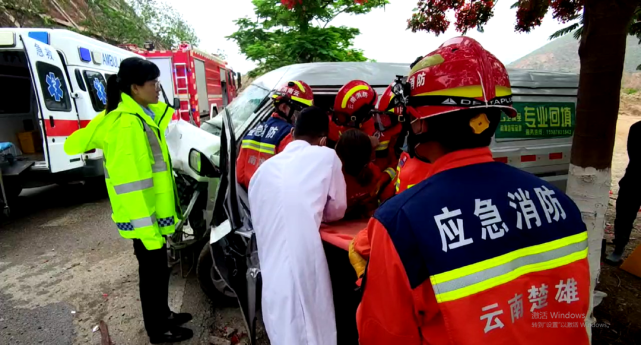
(210, 282)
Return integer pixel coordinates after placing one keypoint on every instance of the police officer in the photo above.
(140, 184)
(270, 137)
(479, 250)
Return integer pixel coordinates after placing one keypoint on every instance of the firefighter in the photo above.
(140, 183)
(479, 250)
(354, 107)
(386, 126)
(270, 137)
(409, 172)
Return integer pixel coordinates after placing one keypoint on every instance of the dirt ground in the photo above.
(63, 268)
(620, 311)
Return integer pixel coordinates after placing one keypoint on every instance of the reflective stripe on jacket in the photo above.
(261, 143)
(476, 254)
(138, 171)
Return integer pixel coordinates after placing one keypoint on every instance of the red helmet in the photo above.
(459, 75)
(353, 103)
(296, 91)
(297, 95)
(388, 113)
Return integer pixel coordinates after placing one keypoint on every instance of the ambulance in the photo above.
(52, 83)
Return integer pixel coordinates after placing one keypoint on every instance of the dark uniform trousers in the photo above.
(628, 204)
(154, 287)
(629, 200)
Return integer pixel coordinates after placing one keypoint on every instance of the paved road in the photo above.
(63, 268)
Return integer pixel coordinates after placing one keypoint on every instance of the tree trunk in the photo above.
(602, 52)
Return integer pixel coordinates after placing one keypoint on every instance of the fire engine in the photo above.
(52, 83)
(202, 82)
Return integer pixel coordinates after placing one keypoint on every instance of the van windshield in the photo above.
(240, 110)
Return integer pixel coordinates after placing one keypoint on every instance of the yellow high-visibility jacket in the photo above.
(138, 173)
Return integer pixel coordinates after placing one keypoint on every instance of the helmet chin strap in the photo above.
(413, 140)
(289, 116)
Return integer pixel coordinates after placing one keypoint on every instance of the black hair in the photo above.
(133, 70)
(354, 148)
(311, 123)
(454, 133)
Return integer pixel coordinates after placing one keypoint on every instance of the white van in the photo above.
(52, 82)
(538, 140)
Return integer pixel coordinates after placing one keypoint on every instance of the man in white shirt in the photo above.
(289, 196)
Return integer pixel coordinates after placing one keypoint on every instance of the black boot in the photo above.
(177, 319)
(173, 335)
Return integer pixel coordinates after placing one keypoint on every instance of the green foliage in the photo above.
(630, 91)
(282, 36)
(137, 22)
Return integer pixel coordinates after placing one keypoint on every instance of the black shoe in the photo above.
(177, 319)
(174, 335)
(614, 259)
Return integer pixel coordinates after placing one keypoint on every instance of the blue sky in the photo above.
(383, 35)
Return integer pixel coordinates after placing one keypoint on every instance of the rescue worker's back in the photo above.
(479, 252)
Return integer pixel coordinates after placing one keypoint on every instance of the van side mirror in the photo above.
(201, 164)
(176, 104)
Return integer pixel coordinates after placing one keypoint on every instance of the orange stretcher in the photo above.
(341, 233)
(336, 239)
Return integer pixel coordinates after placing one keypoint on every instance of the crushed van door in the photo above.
(58, 115)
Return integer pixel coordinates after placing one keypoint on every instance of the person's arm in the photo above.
(336, 204)
(129, 168)
(240, 169)
(283, 143)
(634, 140)
(80, 141)
(386, 313)
(358, 253)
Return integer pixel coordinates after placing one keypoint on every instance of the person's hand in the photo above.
(374, 141)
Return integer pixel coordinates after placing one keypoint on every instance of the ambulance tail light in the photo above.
(7, 39)
(528, 158)
(41, 36)
(556, 156)
(501, 159)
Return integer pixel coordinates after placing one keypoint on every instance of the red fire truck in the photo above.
(203, 82)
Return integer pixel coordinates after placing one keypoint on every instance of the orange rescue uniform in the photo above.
(475, 283)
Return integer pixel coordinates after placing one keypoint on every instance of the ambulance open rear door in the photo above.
(57, 113)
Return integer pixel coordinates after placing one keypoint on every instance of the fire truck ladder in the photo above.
(182, 91)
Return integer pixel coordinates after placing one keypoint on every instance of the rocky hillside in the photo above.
(562, 55)
(112, 21)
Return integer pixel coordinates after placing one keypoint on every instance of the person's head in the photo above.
(353, 104)
(291, 98)
(457, 94)
(387, 113)
(137, 78)
(312, 125)
(355, 151)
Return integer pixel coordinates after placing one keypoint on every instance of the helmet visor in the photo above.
(384, 120)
